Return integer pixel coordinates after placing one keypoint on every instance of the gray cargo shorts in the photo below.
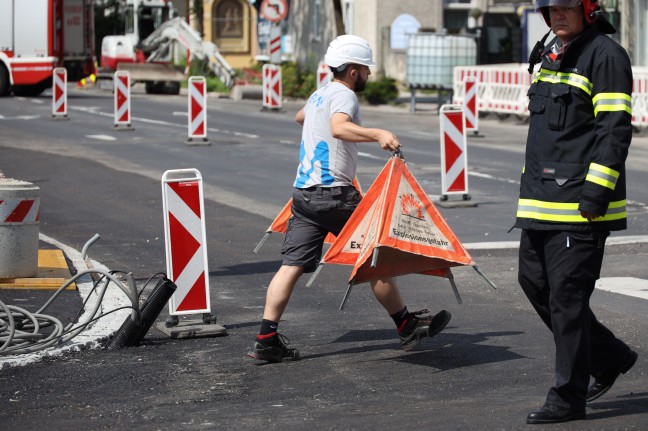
(316, 211)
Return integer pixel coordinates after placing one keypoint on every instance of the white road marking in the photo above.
(158, 122)
(491, 177)
(495, 245)
(37, 101)
(102, 137)
(629, 286)
(369, 156)
(93, 110)
(245, 135)
(20, 117)
(180, 113)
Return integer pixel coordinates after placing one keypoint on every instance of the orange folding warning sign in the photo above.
(397, 230)
(280, 223)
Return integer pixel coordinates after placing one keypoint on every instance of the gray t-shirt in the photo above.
(324, 160)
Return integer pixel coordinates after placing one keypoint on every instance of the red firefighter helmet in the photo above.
(589, 8)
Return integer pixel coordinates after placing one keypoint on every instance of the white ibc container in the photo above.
(431, 58)
(19, 206)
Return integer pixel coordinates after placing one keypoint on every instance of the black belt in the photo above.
(314, 188)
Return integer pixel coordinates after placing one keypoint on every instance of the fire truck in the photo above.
(38, 35)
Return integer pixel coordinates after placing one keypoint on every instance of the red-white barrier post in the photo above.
(271, 86)
(122, 101)
(471, 107)
(59, 94)
(275, 44)
(324, 74)
(19, 225)
(197, 111)
(454, 160)
(186, 245)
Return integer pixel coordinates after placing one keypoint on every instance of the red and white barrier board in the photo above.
(197, 108)
(470, 103)
(19, 210)
(275, 44)
(454, 160)
(185, 240)
(59, 92)
(271, 86)
(324, 74)
(122, 99)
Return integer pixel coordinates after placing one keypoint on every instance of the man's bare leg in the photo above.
(279, 291)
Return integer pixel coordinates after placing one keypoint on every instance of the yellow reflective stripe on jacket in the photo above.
(565, 212)
(602, 175)
(612, 102)
(572, 79)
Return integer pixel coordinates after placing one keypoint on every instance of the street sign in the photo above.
(274, 10)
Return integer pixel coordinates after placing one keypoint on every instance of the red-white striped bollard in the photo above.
(324, 74)
(471, 107)
(275, 44)
(185, 241)
(197, 111)
(454, 160)
(122, 101)
(271, 86)
(59, 94)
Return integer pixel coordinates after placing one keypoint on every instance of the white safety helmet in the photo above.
(347, 49)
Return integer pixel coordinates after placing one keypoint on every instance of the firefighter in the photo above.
(572, 194)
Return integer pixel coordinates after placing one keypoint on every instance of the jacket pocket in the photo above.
(563, 172)
(536, 101)
(559, 99)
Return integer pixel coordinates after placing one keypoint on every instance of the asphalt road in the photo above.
(487, 370)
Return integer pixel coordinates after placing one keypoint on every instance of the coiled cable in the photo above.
(21, 330)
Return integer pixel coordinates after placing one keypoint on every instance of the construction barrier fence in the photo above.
(503, 89)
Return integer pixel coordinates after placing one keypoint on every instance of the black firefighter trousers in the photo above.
(558, 271)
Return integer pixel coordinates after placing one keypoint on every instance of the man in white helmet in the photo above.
(324, 198)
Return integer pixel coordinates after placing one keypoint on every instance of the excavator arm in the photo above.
(158, 47)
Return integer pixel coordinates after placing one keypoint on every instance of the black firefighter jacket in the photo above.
(579, 133)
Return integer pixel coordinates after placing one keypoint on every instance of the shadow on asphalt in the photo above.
(624, 405)
(465, 352)
(247, 268)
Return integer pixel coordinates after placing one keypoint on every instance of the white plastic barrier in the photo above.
(640, 96)
(503, 89)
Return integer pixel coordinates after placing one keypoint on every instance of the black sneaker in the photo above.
(416, 327)
(273, 349)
